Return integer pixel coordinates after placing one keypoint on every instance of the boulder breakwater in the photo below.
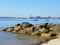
(45, 32)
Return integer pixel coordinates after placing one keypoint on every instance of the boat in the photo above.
(35, 20)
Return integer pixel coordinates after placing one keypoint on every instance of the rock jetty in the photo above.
(45, 31)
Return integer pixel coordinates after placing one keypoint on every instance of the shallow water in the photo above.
(8, 38)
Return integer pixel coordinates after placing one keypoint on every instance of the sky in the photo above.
(26, 8)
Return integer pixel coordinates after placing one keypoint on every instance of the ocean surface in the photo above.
(8, 38)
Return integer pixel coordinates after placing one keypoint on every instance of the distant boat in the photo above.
(35, 20)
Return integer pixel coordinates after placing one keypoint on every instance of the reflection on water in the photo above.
(7, 38)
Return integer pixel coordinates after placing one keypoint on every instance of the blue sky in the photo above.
(25, 8)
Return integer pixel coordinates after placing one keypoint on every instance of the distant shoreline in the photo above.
(32, 17)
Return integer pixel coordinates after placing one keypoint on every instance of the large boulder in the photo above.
(26, 25)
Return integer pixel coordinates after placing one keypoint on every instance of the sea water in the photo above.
(8, 38)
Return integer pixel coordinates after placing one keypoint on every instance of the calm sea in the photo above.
(7, 38)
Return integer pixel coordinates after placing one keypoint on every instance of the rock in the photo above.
(43, 30)
(56, 28)
(51, 25)
(16, 29)
(39, 25)
(5, 29)
(53, 35)
(8, 29)
(35, 33)
(26, 25)
(58, 36)
(37, 29)
(29, 29)
(22, 31)
(17, 25)
(45, 35)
